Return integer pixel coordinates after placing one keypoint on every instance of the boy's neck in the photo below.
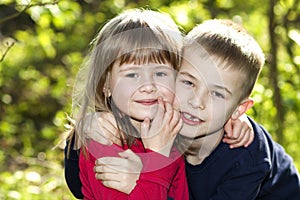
(203, 147)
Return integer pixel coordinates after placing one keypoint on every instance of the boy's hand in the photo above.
(119, 173)
(101, 127)
(160, 134)
(239, 132)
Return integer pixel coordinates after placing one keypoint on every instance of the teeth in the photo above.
(190, 117)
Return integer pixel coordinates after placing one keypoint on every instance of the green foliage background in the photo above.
(44, 42)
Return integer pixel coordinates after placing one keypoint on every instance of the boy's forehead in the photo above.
(200, 65)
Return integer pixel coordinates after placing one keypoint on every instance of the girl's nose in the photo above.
(148, 87)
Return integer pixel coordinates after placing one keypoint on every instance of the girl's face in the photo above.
(136, 88)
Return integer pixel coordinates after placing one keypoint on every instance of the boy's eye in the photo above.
(132, 75)
(218, 94)
(188, 83)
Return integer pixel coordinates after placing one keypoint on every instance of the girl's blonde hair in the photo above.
(135, 36)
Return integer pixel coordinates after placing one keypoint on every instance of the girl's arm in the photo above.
(239, 132)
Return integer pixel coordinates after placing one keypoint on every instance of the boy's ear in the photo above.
(245, 105)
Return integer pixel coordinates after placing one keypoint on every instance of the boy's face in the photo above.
(136, 88)
(207, 94)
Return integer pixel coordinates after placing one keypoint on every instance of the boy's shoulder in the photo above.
(258, 153)
(262, 146)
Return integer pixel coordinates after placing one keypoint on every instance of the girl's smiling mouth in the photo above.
(147, 102)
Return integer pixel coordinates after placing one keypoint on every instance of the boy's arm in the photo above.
(243, 185)
(161, 176)
(154, 182)
(72, 170)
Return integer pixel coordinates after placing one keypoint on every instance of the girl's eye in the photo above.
(132, 75)
(218, 94)
(160, 74)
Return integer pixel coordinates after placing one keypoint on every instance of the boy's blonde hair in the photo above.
(230, 43)
(135, 36)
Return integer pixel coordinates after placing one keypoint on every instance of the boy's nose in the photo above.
(197, 102)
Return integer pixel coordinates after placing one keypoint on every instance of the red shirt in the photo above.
(160, 178)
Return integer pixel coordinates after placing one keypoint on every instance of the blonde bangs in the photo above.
(144, 46)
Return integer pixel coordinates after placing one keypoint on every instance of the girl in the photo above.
(130, 73)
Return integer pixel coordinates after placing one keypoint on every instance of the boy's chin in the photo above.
(192, 132)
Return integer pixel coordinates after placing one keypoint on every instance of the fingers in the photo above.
(160, 134)
(171, 117)
(105, 173)
(130, 155)
(128, 162)
(107, 127)
(242, 135)
(101, 127)
(251, 137)
(176, 121)
(124, 182)
(228, 128)
(160, 114)
(111, 184)
(145, 128)
(113, 161)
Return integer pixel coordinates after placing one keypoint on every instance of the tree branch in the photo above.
(26, 7)
(8, 46)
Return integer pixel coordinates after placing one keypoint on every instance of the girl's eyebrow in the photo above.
(135, 67)
(122, 69)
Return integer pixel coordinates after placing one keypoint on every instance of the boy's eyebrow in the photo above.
(188, 74)
(222, 88)
(214, 85)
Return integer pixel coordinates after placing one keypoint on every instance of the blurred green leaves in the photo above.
(42, 55)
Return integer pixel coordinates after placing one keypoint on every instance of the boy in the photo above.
(220, 67)
(221, 63)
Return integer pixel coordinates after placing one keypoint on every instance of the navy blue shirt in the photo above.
(261, 171)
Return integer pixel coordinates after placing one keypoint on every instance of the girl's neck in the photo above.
(136, 124)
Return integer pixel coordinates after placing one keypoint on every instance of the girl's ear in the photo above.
(242, 108)
(106, 88)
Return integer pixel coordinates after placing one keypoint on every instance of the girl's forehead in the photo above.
(133, 65)
(148, 56)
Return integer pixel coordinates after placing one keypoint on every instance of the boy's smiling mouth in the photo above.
(190, 119)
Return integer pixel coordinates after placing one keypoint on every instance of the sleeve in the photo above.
(71, 165)
(87, 184)
(165, 174)
(242, 184)
(179, 186)
(154, 183)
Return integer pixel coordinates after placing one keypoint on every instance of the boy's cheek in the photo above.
(176, 104)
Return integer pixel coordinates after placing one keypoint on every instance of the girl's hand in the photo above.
(239, 132)
(101, 127)
(119, 173)
(159, 135)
